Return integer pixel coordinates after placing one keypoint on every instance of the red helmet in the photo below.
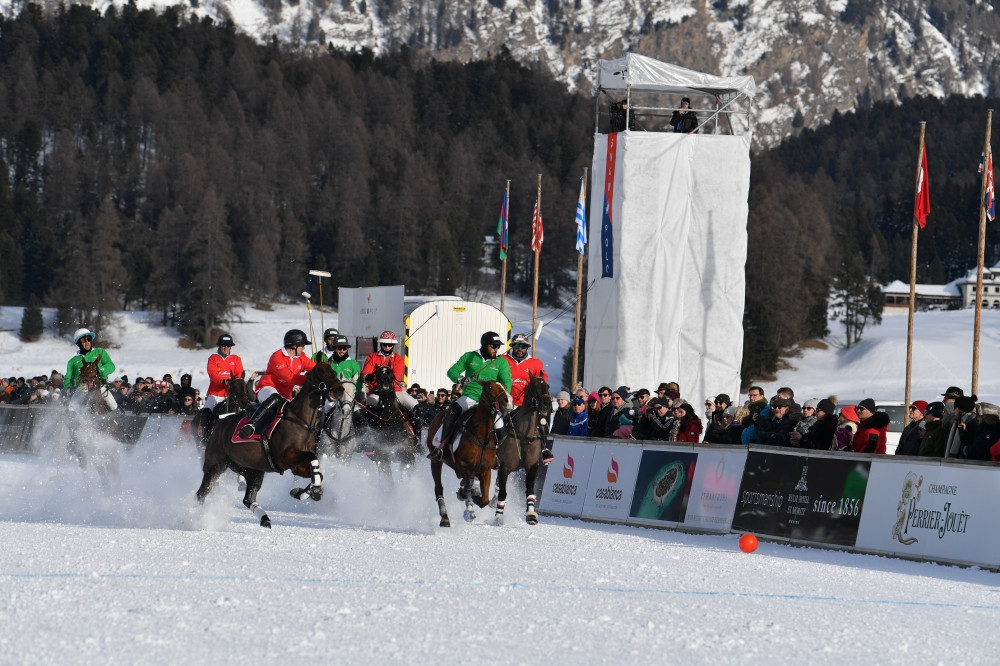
(388, 338)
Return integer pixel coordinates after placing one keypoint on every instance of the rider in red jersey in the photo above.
(286, 369)
(386, 355)
(223, 366)
(520, 366)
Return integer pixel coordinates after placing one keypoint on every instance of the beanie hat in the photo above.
(935, 409)
(868, 404)
(921, 405)
(814, 403)
(849, 413)
(826, 406)
(967, 403)
(594, 397)
(781, 402)
(723, 398)
(673, 394)
(563, 395)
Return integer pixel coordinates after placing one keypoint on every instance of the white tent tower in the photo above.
(673, 308)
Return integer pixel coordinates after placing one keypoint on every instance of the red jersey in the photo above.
(377, 360)
(220, 370)
(285, 372)
(519, 376)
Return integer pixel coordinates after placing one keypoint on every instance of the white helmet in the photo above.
(388, 338)
(83, 333)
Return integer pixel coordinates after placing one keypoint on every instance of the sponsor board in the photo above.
(933, 511)
(715, 490)
(612, 479)
(815, 499)
(15, 430)
(158, 431)
(662, 486)
(567, 476)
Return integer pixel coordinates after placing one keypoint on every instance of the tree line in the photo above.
(152, 161)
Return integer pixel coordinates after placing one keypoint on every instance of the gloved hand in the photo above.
(369, 378)
(464, 381)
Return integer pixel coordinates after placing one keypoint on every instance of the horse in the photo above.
(291, 445)
(475, 454)
(92, 407)
(239, 395)
(522, 447)
(393, 436)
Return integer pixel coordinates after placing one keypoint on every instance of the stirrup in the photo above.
(247, 431)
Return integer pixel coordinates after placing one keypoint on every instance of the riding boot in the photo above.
(201, 423)
(262, 416)
(451, 416)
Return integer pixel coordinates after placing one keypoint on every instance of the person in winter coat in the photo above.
(989, 434)
(687, 426)
(872, 427)
(750, 421)
(807, 421)
(777, 431)
(286, 370)
(561, 417)
(913, 433)
(716, 431)
(932, 445)
(820, 435)
(620, 406)
(655, 421)
(578, 425)
(847, 428)
(684, 120)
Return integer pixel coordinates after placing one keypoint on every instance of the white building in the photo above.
(959, 293)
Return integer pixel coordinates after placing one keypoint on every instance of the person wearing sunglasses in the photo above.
(386, 355)
(521, 365)
(223, 365)
(346, 368)
(470, 371)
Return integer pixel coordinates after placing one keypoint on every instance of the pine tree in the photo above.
(32, 325)
(860, 297)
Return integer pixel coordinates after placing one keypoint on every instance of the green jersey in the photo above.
(474, 366)
(347, 371)
(105, 366)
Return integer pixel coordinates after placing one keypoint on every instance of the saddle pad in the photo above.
(256, 437)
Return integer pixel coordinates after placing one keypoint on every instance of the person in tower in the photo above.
(286, 369)
(223, 365)
(386, 355)
(469, 371)
(326, 353)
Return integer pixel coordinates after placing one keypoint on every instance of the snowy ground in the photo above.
(136, 572)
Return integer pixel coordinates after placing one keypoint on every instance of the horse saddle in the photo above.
(260, 434)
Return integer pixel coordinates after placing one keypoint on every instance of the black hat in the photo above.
(868, 404)
(953, 392)
(967, 403)
(723, 398)
(660, 402)
(225, 340)
(686, 100)
(781, 402)
(641, 392)
(826, 406)
(935, 409)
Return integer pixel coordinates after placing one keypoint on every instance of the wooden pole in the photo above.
(579, 297)
(913, 281)
(534, 296)
(503, 264)
(982, 255)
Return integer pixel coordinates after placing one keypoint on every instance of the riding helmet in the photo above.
(520, 339)
(225, 340)
(388, 338)
(83, 333)
(330, 333)
(490, 338)
(341, 341)
(296, 338)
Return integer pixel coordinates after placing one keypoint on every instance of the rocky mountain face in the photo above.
(809, 58)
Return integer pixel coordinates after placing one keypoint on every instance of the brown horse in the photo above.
(522, 447)
(239, 395)
(290, 446)
(475, 454)
(391, 433)
(92, 407)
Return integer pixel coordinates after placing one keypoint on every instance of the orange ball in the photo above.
(748, 543)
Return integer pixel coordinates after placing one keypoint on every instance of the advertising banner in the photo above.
(933, 511)
(715, 489)
(566, 478)
(662, 486)
(612, 479)
(802, 498)
(14, 433)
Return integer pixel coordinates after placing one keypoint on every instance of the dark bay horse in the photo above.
(93, 407)
(291, 445)
(522, 447)
(475, 453)
(391, 433)
(239, 395)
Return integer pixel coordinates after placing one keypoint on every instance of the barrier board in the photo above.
(715, 489)
(612, 479)
(566, 479)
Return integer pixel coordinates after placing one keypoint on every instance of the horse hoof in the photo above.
(468, 515)
(316, 493)
(299, 493)
(265, 521)
(445, 522)
(532, 518)
(499, 520)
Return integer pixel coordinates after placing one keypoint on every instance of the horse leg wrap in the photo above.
(500, 506)
(531, 504)
(317, 476)
(442, 507)
(257, 510)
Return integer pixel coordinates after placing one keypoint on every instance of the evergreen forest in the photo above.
(156, 162)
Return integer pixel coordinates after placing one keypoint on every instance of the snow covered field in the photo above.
(138, 573)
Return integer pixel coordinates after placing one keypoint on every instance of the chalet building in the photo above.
(960, 293)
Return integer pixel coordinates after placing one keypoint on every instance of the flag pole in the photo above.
(503, 263)
(982, 255)
(538, 251)
(913, 275)
(579, 296)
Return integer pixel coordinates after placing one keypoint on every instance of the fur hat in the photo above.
(781, 402)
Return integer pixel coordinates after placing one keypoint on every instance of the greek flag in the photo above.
(581, 218)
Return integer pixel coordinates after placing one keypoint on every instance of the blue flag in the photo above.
(581, 218)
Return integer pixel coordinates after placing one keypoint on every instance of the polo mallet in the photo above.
(309, 307)
(320, 275)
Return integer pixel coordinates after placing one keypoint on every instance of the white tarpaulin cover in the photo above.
(644, 73)
(674, 308)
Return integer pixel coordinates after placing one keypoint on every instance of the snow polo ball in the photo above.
(748, 543)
